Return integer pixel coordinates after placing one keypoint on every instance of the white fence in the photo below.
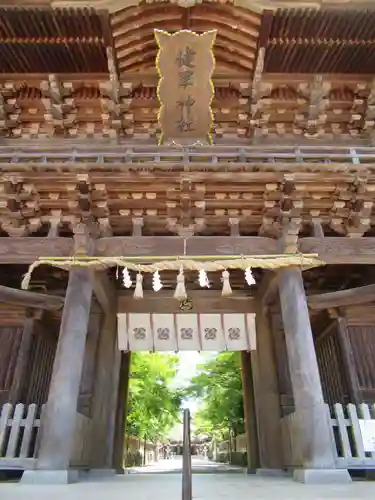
(19, 433)
(19, 427)
(347, 436)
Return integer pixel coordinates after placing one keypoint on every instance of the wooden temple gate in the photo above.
(290, 176)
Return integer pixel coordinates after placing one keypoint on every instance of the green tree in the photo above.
(154, 406)
(219, 386)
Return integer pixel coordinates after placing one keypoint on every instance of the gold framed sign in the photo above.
(185, 63)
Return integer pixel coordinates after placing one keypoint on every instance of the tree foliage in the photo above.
(219, 386)
(154, 406)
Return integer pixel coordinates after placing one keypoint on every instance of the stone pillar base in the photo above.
(369, 474)
(271, 472)
(50, 476)
(101, 473)
(322, 476)
(250, 470)
(87, 474)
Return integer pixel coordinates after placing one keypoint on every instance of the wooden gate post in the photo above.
(316, 448)
(267, 399)
(59, 418)
(121, 413)
(250, 414)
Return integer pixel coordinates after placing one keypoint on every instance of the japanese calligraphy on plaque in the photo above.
(185, 63)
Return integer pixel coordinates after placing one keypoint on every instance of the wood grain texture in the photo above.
(30, 299)
(59, 420)
(341, 298)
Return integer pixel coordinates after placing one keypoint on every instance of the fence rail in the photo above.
(19, 437)
(347, 424)
(19, 427)
(22, 157)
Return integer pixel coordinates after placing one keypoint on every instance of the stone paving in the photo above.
(205, 487)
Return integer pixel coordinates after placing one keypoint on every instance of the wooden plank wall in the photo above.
(11, 328)
(331, 365)
(42, 356)
(34, 387)
(10, 338)
(360, 322)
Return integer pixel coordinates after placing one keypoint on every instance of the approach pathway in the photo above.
(174, 465)
(224, 486)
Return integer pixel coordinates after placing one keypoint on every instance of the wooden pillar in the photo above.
(105, 396)
(59, 418)
(113, 401)
(267, 399)
(314, 436)
(121, 413)
(250, 413)
(20, 372)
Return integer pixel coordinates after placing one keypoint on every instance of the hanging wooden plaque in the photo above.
(185, 64)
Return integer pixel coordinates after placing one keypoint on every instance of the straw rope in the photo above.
(187, 263)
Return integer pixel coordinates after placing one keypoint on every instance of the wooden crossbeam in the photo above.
(341, 298)
(30, 299)
(331, 250)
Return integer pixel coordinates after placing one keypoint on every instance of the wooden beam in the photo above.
(331, 250)
(341, 298)
(202, 301)
(340, 250)
(27, 250)
(21, 367)
(162, 246)
(30, 299)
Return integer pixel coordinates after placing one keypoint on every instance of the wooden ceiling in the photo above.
(284, 74)
(321, 41)
(52, 41)
(235, 46)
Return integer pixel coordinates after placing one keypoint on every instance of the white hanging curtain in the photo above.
(164, 330)
(188, 332)
(235, 332)
(139, 332)
(211, 332)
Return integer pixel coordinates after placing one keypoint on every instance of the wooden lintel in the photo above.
(163, 246)
(203, 301)
(30, 299)
(340, 250)
(331, 250)
(342, 298)
(26, 250)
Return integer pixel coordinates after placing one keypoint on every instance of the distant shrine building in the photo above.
(187, 177)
